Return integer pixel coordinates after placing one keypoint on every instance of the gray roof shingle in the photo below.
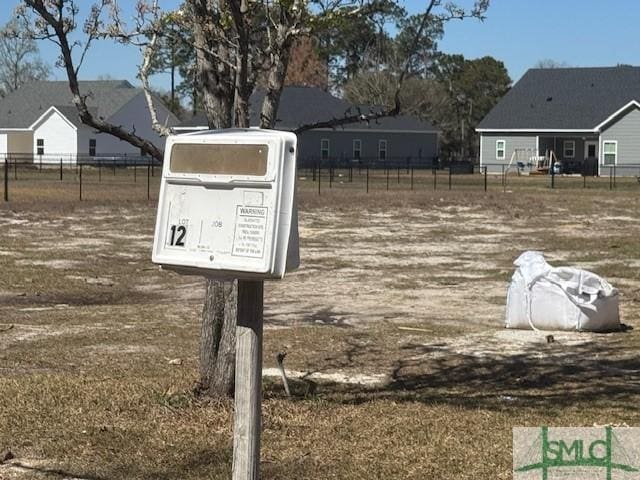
(306, 105)
(565, 98)
(22, 107)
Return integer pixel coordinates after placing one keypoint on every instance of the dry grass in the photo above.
(408, 285)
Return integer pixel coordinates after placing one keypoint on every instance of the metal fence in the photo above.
(462, 175)
(76, 176)
(137, 177)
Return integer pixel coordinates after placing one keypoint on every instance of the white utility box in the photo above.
(227, 205)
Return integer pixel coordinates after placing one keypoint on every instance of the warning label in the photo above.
(250, 232)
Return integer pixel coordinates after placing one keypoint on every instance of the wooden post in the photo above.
(149, 181)
(485, 178)
(449, 176)
(81, 182)
(411, 178)
(387, 178)
(60, 169)
(367, 178)
(6, 179)
(248, 396)
(319, 177)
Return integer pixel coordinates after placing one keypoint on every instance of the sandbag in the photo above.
(541, 297)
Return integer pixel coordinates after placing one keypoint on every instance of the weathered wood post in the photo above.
(485, 178)
(248, 395)
(6, 179)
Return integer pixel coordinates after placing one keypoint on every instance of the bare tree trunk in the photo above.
(218, 330)
(217, 339)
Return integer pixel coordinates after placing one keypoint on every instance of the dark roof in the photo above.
(565, 98)
(305, 105)
(70, 112)
(22, 107)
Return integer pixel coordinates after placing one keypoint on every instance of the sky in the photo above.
(518, 32)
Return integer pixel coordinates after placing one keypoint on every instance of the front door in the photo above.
(590, 166)
(590, 149)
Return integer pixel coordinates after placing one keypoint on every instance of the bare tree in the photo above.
(19, 59)
(235, 41)
(55, 20)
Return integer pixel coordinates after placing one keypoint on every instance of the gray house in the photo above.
(586, 119)
(398, 140)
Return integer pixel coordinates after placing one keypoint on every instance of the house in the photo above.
(39, 122)
(398, 140)
(587, 119)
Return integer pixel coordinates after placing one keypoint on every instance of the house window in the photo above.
(324, 148)
(569, 149)
(92, 147)
(609, 152)
(357, 149)
(382, 150)
(40, 146)
(501, 147)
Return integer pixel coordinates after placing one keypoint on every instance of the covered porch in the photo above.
(575, 153)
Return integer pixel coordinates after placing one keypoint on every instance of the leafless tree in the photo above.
(19, 59)
(235, 41)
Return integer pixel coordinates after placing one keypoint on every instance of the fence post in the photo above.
(99, 170)
(313, 171)
(15, 168)
(367, 178)
(6, 179)
(614, 176)
(449, 176)
(149, 181)
(553, 175)
(114, 167)
(80, 182)
(330, 176)
(610, 178)
(387, 178)
(584, 181)
(435, 178)
(485, 178)
(502, 175)
(135, 172)
(350, 173)
(411, 178)
(398, 175)
(60, 169)
(319, 177)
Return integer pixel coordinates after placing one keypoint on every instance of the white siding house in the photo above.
(55, 138)
(39, 123)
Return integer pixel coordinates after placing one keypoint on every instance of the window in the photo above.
(40, 145)
(382, 150)
(92, 147)
(609, 152)
(357, 149)
(569, 149)
(324, 148)
(501, 147)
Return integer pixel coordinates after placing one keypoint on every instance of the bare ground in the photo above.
(393, 329)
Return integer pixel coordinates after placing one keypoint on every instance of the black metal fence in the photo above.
(455, 175)
(27, 176)
(137, 177)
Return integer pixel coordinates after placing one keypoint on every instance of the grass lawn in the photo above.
(395, 315)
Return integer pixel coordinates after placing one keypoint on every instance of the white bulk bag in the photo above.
(542, 297)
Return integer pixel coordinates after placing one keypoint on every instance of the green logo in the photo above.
(577, 452)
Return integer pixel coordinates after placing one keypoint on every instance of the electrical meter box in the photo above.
(227, 205)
